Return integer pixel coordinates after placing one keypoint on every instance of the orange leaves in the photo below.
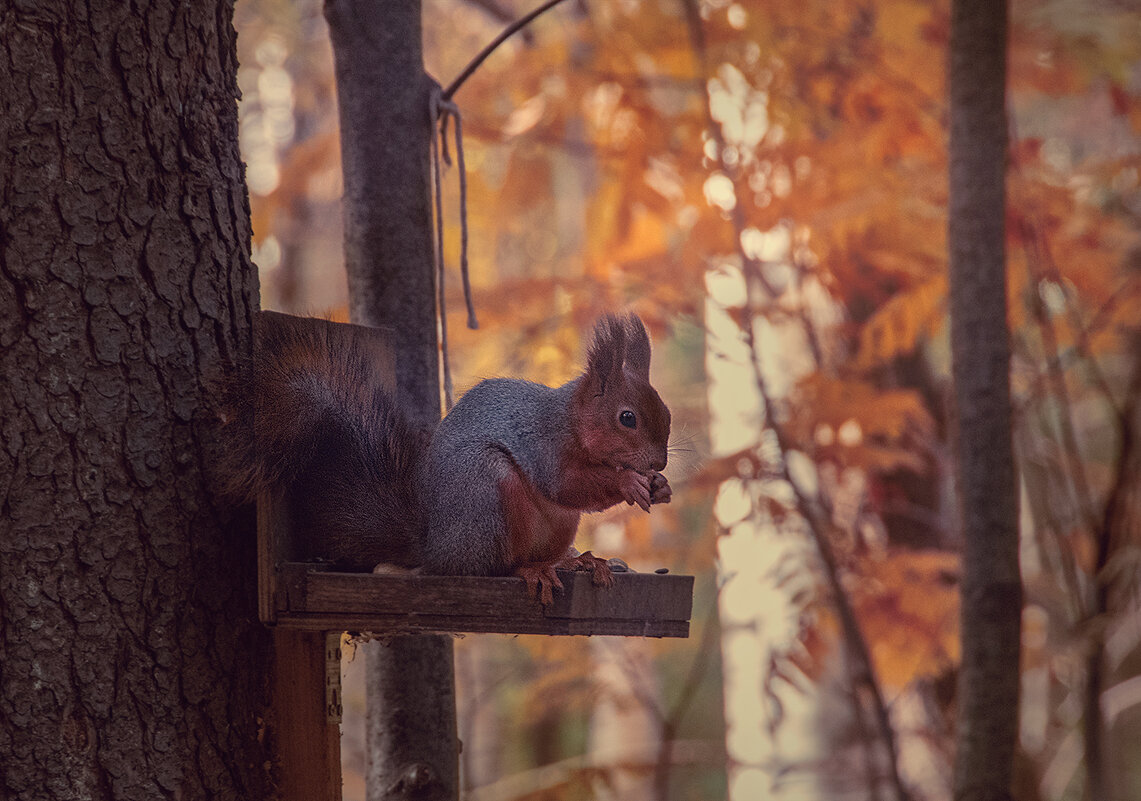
(908, 606)
(854, 423)
(898, 327)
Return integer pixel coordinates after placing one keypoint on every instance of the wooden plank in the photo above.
(304, 734)
(381, 624)
(639, 604)
(633, 596)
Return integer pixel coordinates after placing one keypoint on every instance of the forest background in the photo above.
(765, 184)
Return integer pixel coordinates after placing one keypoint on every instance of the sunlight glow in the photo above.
(266, 125)
(741, 110)
(719, 192)
(760, 566)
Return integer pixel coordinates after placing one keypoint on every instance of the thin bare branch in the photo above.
(507, 33)
(862, 674)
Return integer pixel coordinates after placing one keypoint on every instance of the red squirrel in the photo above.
(497, 489)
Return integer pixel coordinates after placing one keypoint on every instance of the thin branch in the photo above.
(670, 720)
(1057, 380)
(1056, 553)
(817, 523)
(1102, 316)
(507, 33)
(1111, 523)
(578, 770)
(1041, 266)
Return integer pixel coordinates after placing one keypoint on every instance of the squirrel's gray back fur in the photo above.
(498, 422)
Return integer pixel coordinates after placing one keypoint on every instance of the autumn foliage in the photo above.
(628, 154)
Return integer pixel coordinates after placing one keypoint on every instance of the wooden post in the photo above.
(304, 724)
(306, 727)
(383, 95)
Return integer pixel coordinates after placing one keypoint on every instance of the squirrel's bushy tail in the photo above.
(314, 426)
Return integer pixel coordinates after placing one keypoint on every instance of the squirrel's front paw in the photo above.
(660, 490)
(635, 488)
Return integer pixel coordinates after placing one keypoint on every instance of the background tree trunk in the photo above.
(991, 589)
(132, 665)
(382, 97)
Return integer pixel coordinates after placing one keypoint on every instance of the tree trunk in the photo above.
(382, 96)
(991, 590)
(132, 665)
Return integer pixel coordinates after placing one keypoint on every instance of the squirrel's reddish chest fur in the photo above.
(538, 530)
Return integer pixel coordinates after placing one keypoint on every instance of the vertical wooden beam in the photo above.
(305, 717)
(305, 726)
(271, 529)
(383, 96)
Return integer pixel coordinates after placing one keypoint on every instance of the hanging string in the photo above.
(451, 111)
(438, 225)
(472, 322)
(440, 110)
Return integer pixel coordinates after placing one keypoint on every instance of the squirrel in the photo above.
(497, 489)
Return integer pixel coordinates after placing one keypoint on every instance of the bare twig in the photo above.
(1102, 528)
(1108, 540)
(863, 676)
(507, 33)
(1083, 496)
(672, 721)
(548, 779)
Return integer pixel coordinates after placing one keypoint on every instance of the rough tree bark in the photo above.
(991, 589)
(382, 96)
(132, 665)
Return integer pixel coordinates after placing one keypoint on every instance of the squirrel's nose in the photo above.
(659, 462)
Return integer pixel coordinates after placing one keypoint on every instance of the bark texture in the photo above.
(383, 96)
(991, 589)
(131, 662)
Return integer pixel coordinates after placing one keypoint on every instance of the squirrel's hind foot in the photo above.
(599, 568)
(542, 580)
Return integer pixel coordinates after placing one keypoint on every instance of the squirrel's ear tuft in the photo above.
(607, 353)
(637, 347)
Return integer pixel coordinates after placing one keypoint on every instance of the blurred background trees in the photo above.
(765, 183)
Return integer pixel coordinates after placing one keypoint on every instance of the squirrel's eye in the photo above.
(628, 419)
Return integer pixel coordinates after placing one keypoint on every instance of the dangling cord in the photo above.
(440, 110)
(437, 196)
(450, 110)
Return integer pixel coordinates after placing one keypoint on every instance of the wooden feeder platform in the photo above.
(309, 605)
(311, 597)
